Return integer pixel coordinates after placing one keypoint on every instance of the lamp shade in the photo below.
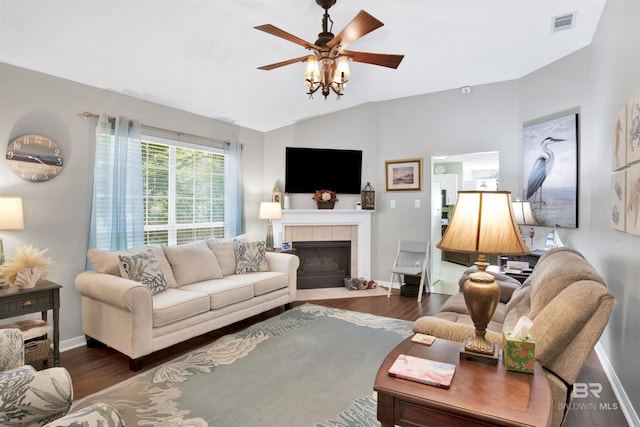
(483, 222)
(11, 215)
(270, 210)
(523, 213)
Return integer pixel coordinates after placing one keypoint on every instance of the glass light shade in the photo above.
(342, 69)
(11, 214)
(483, 222)
(270, 210)
(523, 213)
(312, 72)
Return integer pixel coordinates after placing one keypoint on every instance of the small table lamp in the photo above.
(11, 217)
(270, 211)
(483, 223)
(524, 216)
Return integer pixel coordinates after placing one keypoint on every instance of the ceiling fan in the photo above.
(327, 67)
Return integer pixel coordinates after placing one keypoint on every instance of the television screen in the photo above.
(311, 169)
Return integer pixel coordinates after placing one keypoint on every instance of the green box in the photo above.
(518, 355)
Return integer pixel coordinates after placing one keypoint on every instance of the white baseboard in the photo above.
(73, 343)
(625, 404)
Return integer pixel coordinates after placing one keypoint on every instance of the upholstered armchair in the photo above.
(27, 396)
(30, 397)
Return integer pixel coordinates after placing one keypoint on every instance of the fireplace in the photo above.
(323, 264)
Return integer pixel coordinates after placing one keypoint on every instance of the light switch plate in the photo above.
(416, 203)
(392, 204)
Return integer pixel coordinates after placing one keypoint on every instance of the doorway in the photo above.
(449, 174)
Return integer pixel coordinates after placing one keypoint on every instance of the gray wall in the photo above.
(598, 80)
(57, 212)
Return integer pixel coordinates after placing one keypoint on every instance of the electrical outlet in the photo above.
(418, 264)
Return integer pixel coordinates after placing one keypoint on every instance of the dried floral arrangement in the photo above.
(325, 196)
(27, 263)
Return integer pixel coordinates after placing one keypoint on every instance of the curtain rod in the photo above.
(87, 114)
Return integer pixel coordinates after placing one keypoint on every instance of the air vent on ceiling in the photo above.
(563, 22)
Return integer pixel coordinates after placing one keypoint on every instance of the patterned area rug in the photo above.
(310, 366)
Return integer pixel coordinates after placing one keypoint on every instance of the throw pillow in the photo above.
(192, 262)
(144, 267)
(251, 257)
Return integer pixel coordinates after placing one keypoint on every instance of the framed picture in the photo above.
(618, 197)
(633, 129)
(550, 169)
(620, 140)
(403, 175)
(632, 225)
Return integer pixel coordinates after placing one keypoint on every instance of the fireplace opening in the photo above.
(323, 264)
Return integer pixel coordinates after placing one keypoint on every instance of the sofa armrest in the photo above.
(288, 264)
(113, 290)
(448, 330)
(32, 397)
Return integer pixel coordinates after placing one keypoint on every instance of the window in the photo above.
(183, 191)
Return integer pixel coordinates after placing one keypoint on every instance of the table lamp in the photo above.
(11, 217)
(483, 222)
(524, 216)
(270, 211)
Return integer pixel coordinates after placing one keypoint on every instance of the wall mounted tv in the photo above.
(311, 169)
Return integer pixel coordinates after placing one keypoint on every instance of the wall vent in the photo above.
(563, 22)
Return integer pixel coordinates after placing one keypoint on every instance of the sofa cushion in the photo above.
(223, 292)
(226, 253)
(109, 261)
(144, 267)
(192, 262)
(264, 281)
(177, 304)
(250, 257)
(556, 270)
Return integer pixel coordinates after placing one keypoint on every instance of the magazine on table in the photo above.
(425, 371)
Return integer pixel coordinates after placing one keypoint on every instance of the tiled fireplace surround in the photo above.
(308, 225)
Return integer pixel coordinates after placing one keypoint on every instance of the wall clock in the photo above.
(34, 158)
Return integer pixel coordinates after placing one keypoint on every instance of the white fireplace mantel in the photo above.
(311, 217)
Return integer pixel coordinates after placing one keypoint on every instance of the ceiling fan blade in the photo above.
(275, 31)
(283, 63)
(382, 59)
(362, 24)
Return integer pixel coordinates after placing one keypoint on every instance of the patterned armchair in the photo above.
(30, 397)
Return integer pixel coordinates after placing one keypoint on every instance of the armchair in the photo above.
(30, 397)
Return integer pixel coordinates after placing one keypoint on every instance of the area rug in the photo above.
(309, 366)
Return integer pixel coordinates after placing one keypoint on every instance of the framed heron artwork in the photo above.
(550, 169)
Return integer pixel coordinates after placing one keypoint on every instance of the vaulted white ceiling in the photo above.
(201, 56)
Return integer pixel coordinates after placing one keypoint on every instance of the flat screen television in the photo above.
(311, 169)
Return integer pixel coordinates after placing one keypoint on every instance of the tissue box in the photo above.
(518, 355)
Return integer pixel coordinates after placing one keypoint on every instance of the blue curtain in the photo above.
(233, 207)
(117, 214)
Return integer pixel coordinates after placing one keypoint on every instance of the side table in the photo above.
(480, 394)
(41, 298)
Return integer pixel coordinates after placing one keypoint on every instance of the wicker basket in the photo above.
(36, 350)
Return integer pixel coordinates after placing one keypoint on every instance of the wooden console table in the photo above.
(41, 298)
(480, 394)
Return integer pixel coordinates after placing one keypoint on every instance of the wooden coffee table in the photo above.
(480, 394)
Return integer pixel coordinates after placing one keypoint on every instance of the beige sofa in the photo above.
(569, 306)
(208, 284)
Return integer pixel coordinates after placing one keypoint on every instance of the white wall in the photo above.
(57, 212)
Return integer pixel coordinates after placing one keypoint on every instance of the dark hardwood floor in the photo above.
(93, 369)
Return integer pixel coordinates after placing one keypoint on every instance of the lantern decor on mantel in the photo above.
(325, 199)
(368, 197)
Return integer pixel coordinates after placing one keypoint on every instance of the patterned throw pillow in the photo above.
(250, 257)
(144, 268)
